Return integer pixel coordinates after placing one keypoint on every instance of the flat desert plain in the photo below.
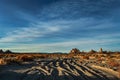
(57, 69)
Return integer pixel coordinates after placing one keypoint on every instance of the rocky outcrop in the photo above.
(92, 51)
(8, 51)
(75, 51)
(101, 50)
(1, 51)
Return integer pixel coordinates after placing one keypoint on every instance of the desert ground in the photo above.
(58, 67)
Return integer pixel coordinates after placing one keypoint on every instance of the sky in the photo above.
(59, 25)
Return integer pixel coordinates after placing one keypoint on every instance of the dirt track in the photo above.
(58, 69)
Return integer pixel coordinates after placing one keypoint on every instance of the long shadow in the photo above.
(16, 66)
(10, 75)
(102, 77)
(82, 75)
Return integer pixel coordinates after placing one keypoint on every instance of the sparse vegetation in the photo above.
(50, 61)
(111, 59)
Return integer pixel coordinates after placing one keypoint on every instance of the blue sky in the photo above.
(59, 25)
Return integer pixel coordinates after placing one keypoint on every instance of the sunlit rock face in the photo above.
(75, 51)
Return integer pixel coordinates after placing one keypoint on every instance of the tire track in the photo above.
(63, 69)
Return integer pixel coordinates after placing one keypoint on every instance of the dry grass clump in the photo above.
(118, 71)
(15, 59)
(99, 59)
(114, 64)
(4, 61)
(12, 61)
(1, 55)
(86, 57)
(24, 58)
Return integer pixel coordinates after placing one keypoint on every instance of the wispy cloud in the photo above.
(30, 33)
(36, 30)
(82, 44)
(63, 28)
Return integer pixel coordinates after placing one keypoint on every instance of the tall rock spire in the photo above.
(101, 50)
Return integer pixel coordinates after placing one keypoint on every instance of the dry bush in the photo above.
(9, 61)
(2, 61)
(85, 57)
(9, 55)
(12, 61)
(24, 58)
(2, 55)
(99, 59)
(114, 63)
(12, 55)
(118, 70)
(39, 56)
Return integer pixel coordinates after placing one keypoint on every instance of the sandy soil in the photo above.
(55, 69)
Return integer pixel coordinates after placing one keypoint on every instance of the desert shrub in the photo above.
(9, 55)
(99, 59)
(113, 63)
(85, 57)
(2, 55)
(118, 70)
(9, 61)
(25, 58)
(42, 57)
(2, 61)
(12, 61)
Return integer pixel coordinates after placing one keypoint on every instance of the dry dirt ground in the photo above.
(55, 69)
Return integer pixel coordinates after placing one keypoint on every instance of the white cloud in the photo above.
(40, 29)
(43, 29)
(31, 33)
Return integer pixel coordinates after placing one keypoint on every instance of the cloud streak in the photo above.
(58, 28)
(29, 33)
(37, 30)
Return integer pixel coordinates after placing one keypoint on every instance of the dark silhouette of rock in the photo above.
(101, 51)
(1, 51)
(75, 51)
(92, 51)
(8, 51)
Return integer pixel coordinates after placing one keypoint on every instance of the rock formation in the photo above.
(75, 51)
(1, 51)
(101, 50)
